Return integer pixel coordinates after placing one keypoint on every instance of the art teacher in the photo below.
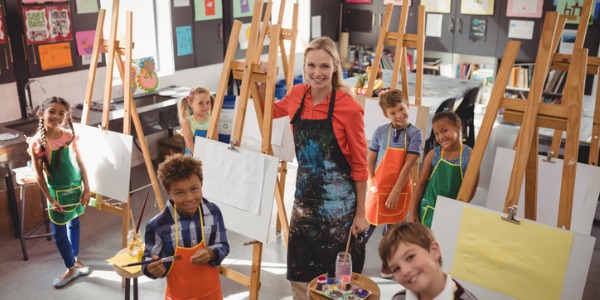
(331, 150)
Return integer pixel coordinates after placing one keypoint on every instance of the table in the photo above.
(6, 147)
(358, 280)
(121, 258)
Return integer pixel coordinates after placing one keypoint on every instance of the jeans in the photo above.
(66, 238)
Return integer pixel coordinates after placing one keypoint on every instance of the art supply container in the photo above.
(331, 278)
(135, 244)
(345, 283)
(226, 119)
(321, 283)
(343, 265)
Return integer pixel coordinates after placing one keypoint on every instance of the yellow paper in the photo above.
(55, 56)
(526, 261)
(124, 258)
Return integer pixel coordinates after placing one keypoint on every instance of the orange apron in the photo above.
(383, 182)
(189, 281)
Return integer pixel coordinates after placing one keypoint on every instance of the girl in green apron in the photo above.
(194, 114)
(62, 179)
(443, 167)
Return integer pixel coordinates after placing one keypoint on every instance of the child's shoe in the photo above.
(58, 283)
(386, 273)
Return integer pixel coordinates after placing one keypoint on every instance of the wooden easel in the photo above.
(115, 50)
(401, 41)
(248, 72)
(533, 114)
(561, 62)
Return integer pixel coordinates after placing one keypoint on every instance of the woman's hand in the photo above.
(359, 225)
(157, 268)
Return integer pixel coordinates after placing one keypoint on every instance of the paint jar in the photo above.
(226, 119)
(135, 245)
(345, 283)
(321, 283)
(331, 278)
(343, 265)
(280, 89)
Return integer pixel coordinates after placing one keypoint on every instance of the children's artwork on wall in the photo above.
(132, 76)
(525, 8)
(55, 56)
(85, 41)
(147, 78)
(477, 29)
(36, 24)
(2, 31)
(181, 3)
(60, 22)
(208, 10)
(396, 2)
(184, 40)
(567, 41)
(439, 6)
(477, 7)
(243, 8)
(86, 6)
(42, 1)
(359, 1)
(573, 8)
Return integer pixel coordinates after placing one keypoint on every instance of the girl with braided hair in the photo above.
(62, 178)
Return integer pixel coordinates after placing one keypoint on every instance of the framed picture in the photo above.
(524, 8)
(477, 7)
(573, 8)
(437, 6)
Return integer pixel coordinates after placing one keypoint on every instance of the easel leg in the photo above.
(255, 272)
(531, 179)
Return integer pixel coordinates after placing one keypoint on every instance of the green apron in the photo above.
(65, 185)
(445, 180)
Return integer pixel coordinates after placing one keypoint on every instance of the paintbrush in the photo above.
(66, 205)
(137, 228)
(164, 259)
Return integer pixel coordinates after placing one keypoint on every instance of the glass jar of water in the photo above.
(343, 265)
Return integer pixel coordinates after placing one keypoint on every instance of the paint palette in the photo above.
(334, 291)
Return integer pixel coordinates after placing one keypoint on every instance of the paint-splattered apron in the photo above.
(325, 200)
(445, 180)
(383, 182)
(64, 185)
(190, 281)
(198, 129)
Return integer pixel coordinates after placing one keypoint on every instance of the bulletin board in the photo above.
(452, 230)
(107, 159)
(69, 24)
(253, 220)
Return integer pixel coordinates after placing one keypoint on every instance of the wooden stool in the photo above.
(25, 177)
(128, 276)
(359, 280)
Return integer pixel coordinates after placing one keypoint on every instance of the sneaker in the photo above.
(58, 283)
(386, 273)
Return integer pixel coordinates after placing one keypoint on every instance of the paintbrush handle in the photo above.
(164, 259)
(66, 205)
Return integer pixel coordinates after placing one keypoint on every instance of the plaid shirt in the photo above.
(160, 233)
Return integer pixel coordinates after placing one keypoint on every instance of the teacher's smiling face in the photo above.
(187, 194)
(318, 68)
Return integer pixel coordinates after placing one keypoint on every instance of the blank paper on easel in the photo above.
(234, 177)
(525, 261)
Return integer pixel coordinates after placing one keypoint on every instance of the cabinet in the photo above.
(330, 17)
(7, 69)
(456, 28)
(363, 21)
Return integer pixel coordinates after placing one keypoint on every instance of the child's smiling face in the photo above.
(200, 104)
(446, 133)
(397, 114)
(187, 194)
(418, 269)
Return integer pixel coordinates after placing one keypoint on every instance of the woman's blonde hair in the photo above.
(328, 45)
(184, 109)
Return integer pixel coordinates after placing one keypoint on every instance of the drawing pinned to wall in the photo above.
(147, 78)
(359, 1)
(208, 10)
(567, 41)
(524, 8)
(573, 8)
(86, 6)
(242, 8)
(245, 36)
(60, 22)
(477, 7)
(41, 1)
(36, 25)
(184, 40)
(55, 56)
(132, 77)
(181, 3)
(87, 59)
(85, 41)
(439, 6)
(2, 32)
(396, 2)
(478, 29)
